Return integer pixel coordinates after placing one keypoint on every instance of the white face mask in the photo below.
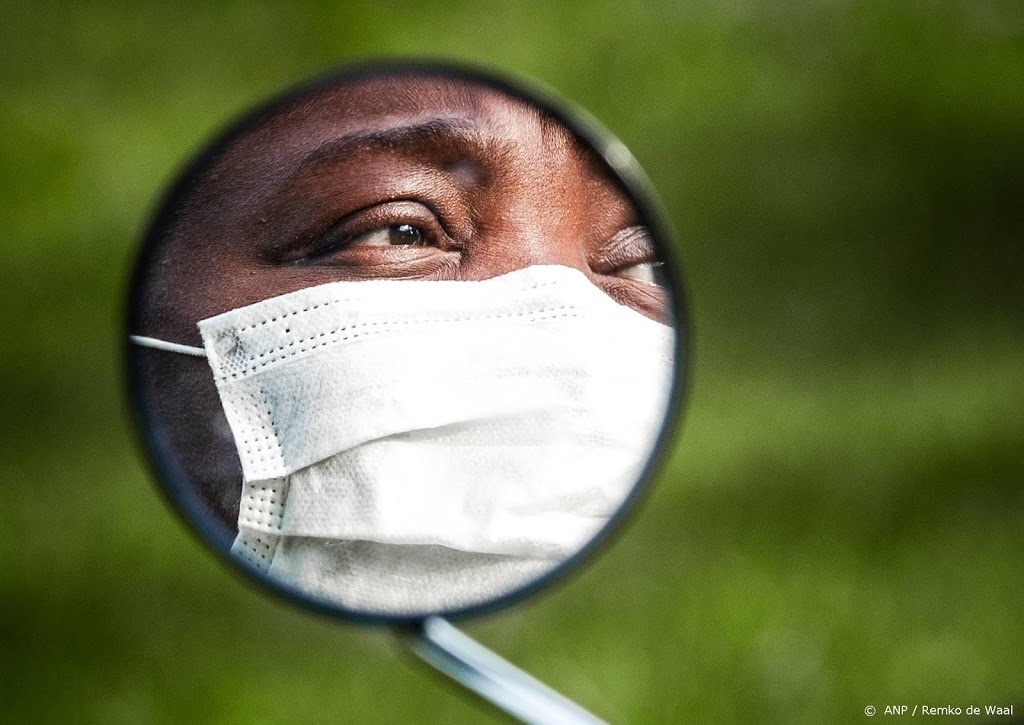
(414, 445)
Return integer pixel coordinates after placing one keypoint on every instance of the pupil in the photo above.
(404, 234)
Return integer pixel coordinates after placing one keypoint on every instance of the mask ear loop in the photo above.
(156, 344)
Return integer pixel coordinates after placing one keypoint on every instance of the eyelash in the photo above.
(330, 246)
(340, 234)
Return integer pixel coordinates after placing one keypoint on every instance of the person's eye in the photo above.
(390, 236)
(651, 272)
(398, 225)
(630, 254)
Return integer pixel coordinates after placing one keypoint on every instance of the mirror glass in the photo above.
(406, 340)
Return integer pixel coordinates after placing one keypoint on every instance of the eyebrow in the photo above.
(437, 133)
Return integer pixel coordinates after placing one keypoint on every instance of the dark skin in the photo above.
(402, 176)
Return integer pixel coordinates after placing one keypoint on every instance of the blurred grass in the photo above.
(839, 524)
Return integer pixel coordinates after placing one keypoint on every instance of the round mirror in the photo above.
(406, 341)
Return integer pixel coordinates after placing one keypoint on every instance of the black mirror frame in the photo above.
(169, 474)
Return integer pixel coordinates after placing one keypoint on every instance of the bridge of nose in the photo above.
(526, 235)
(536, 204)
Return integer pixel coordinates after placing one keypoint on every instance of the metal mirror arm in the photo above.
(476, 668)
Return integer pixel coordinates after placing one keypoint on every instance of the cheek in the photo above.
(185, 409)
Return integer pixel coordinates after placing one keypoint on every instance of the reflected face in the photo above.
(403, 176)
(371, 427)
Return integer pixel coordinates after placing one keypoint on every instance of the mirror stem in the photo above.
(505, 686)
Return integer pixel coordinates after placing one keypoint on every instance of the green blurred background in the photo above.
(840, 523)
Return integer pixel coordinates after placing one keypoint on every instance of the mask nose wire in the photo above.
(156, 344)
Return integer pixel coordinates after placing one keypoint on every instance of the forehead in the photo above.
(284, 135)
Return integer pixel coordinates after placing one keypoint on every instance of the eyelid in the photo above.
(377, 216)
(626, 248)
